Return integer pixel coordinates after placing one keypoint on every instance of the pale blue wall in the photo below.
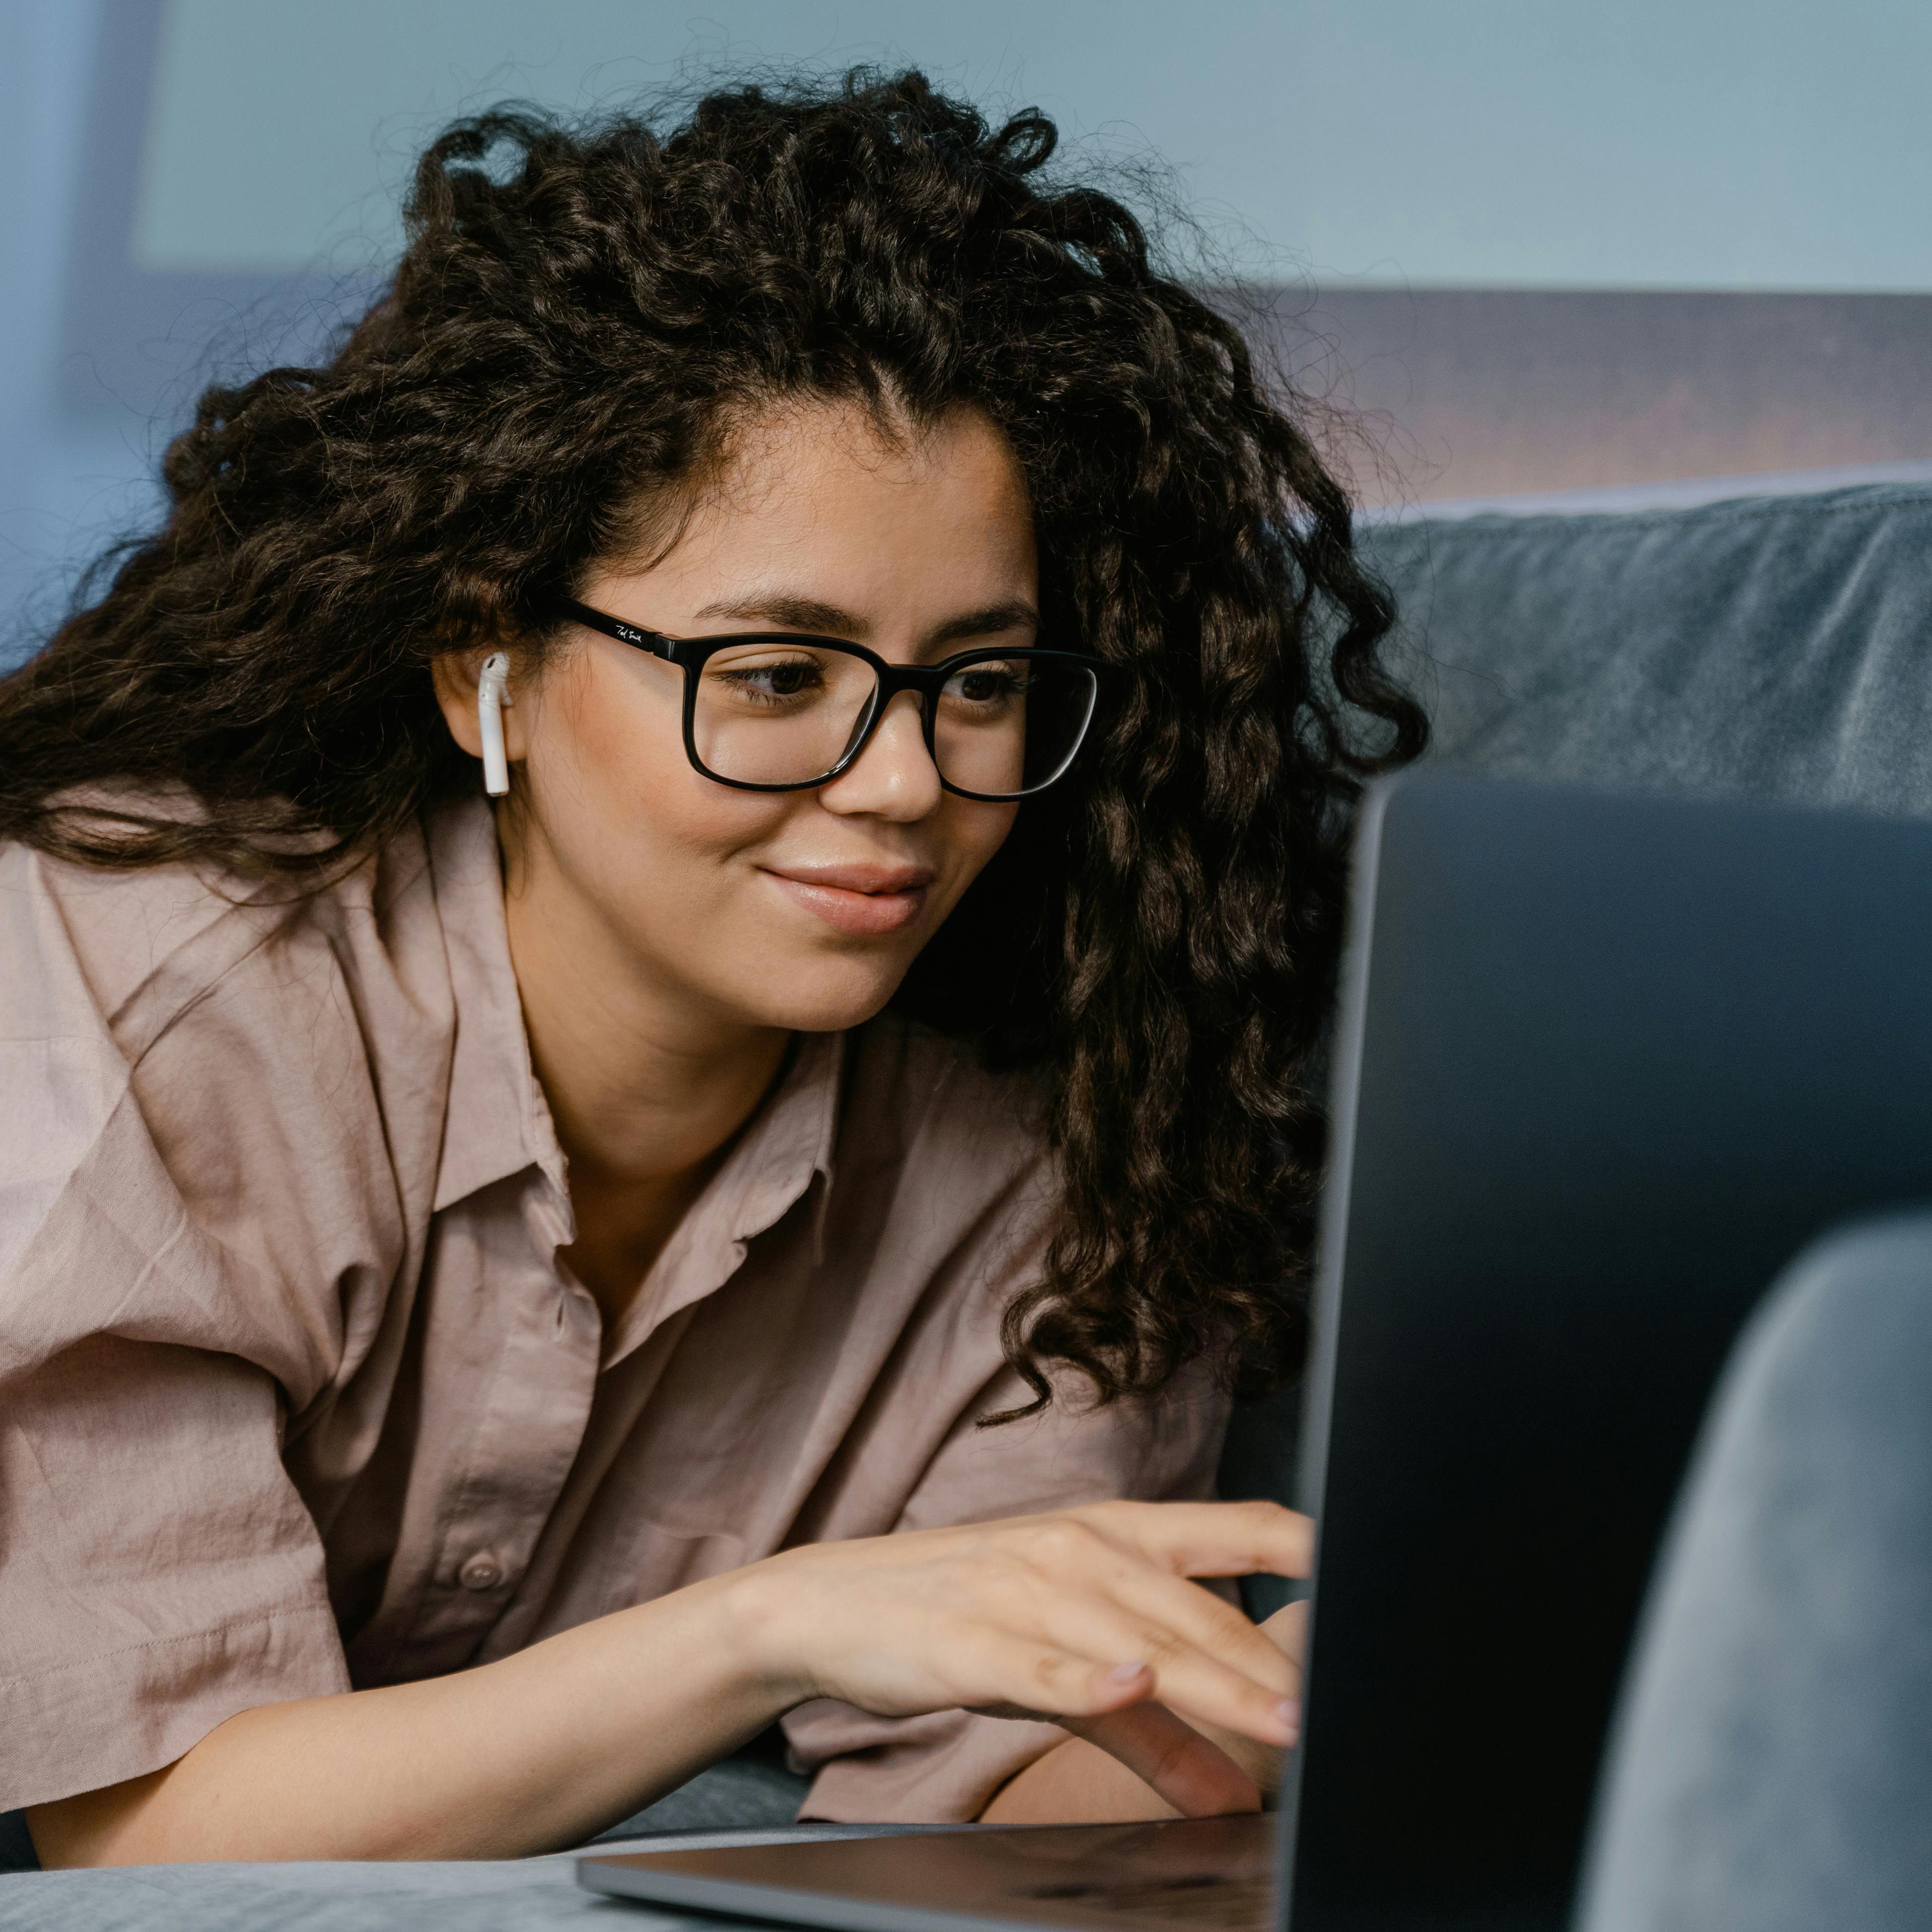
(66, 482)
(1628, 143)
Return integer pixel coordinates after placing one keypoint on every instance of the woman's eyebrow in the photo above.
(787, 613)
(1014, 615)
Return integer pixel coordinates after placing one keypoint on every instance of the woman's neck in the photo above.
(647, 1087)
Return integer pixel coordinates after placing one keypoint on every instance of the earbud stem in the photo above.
(490, 698)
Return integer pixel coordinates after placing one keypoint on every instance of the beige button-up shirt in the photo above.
(296, 1396)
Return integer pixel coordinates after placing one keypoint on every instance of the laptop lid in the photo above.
(1606, 1064)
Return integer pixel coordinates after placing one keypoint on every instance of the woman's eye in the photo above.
(987, 684)
(791, 678)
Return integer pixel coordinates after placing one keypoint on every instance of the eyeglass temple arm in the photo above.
(656, 642)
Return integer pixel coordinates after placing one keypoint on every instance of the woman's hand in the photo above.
(1084, 1616)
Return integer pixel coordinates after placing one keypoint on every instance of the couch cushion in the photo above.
(1775, 645)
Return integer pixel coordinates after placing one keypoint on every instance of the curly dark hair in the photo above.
(579, 312)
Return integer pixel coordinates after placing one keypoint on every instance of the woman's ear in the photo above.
(456, 675)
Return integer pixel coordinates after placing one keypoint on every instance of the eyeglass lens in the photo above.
(779, 712)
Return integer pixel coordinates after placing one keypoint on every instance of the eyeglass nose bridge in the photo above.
(890, 680)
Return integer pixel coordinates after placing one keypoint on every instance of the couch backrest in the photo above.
(1781, 647)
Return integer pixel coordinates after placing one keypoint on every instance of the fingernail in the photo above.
(1126, 1673)
(1289, 1712)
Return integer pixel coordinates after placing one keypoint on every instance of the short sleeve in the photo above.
(947, 1767)
(158, 1571)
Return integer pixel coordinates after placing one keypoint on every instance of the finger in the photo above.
(1287, 1630)
(1196, 1778)
(1210, 1624)
(1089, 1622)
(1017, 1678)
(1097, 1577)
(1209, 1539)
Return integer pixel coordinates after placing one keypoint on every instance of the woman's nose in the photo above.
(894, 776)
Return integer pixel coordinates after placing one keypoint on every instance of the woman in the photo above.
(502, 1303)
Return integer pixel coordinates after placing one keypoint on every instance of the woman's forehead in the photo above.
(823, 454)
(818, 521)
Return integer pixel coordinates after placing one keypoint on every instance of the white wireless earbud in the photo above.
(490, 698)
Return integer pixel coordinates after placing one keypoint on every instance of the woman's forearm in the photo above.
(538, 1751)
(1048, 1616)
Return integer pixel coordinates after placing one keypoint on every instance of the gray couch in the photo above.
(1775, 645)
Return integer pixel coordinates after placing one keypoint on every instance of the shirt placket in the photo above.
(521, 1454)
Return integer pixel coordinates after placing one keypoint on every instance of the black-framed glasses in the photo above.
(775, 711)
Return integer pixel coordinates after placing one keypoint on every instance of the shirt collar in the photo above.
(498, 1122)
(786, 1145)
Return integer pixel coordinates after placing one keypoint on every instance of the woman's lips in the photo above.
(869, 902)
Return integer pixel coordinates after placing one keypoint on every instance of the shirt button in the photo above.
(481, 1572)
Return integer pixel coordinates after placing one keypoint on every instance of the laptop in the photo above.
(1605, 1064)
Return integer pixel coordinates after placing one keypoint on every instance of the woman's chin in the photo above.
(819, 1001)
